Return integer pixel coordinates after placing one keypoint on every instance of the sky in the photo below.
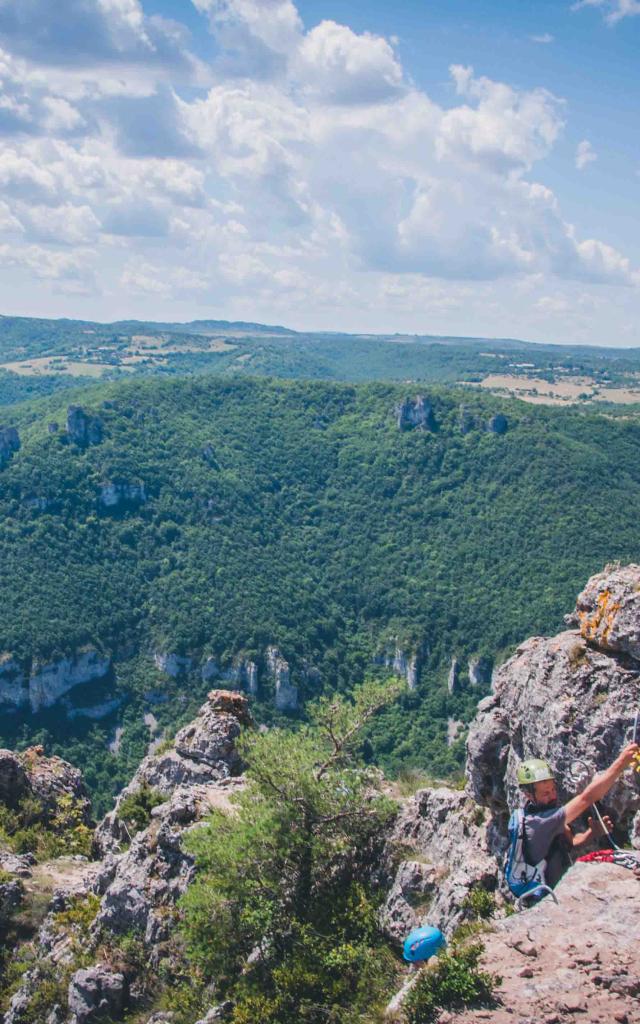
(465, 167)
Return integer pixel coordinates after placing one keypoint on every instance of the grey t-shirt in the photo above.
(540, 829)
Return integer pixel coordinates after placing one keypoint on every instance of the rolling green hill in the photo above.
(218, 517)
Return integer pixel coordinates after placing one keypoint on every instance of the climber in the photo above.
(543, 827)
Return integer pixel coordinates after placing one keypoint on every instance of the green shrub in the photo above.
(480, 903)
(135, 809)
(454, 982)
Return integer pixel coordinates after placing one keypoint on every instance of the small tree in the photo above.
(283, 913)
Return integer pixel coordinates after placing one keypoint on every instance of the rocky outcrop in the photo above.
(203, 753)
(498, 424)
(96, 994)
(278, 669)
(42, 684)
(241, 674)
(82, 428)
(50, 680)
(480, 671)
(445, 845)
(9, 444)
(608, 611)
(403, 664)
(415, 413)
(453, 679)
(47, 780)
(115, 494)
(576, 960)
(173, 665)
(562, 700)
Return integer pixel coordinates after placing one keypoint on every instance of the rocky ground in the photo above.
(576, 960)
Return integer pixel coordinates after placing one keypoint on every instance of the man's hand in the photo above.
(627, 756)
(596, 828)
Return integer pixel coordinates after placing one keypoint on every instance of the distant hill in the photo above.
(225, 522)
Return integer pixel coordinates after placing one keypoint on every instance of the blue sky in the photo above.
(449, 166)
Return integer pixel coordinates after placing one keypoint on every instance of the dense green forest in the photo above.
(298, 514)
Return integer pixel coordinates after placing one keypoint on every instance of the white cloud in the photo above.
(545, 38)
(613, 10)
(310, 173)
(340, 66)
(585, 154)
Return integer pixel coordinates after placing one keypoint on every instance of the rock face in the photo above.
(576, 960)
(562, 700)
(46, 779)
(242, 674)
(278, 669)
(9, 444)
(203, 753)
(449, 847)
(498, 424)
(415, 412)
(480, 671)
(96, 994)
(48, 682)
(608, 611)
(42, 685)
(173, 665)
(120, 493)
(403, 664)
(82, 428)
(453, 680)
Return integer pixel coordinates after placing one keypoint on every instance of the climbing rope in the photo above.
(623, 858)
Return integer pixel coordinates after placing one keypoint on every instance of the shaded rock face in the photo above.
(415, 412)
(82, 428)
(243, 673)
(446, 846)
(9, 444)
(96, 994)
(120, 493)
(44, 683)
(453, 680)
(47, 779)
(278, 669)
(480, 671)
(498, 424)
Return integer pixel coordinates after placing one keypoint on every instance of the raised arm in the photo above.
(600, 784)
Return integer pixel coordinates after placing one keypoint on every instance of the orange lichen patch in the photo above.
(600, 622)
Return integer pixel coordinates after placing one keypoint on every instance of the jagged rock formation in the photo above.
(46, 780)
(141, 876)
(449, 846)
(41, 684)
(9, 444)
(415, 412)
(120, 493)
(82, 428)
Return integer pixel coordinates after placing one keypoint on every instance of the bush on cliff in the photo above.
(283, 915)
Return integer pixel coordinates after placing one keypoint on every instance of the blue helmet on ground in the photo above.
(422, 943)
